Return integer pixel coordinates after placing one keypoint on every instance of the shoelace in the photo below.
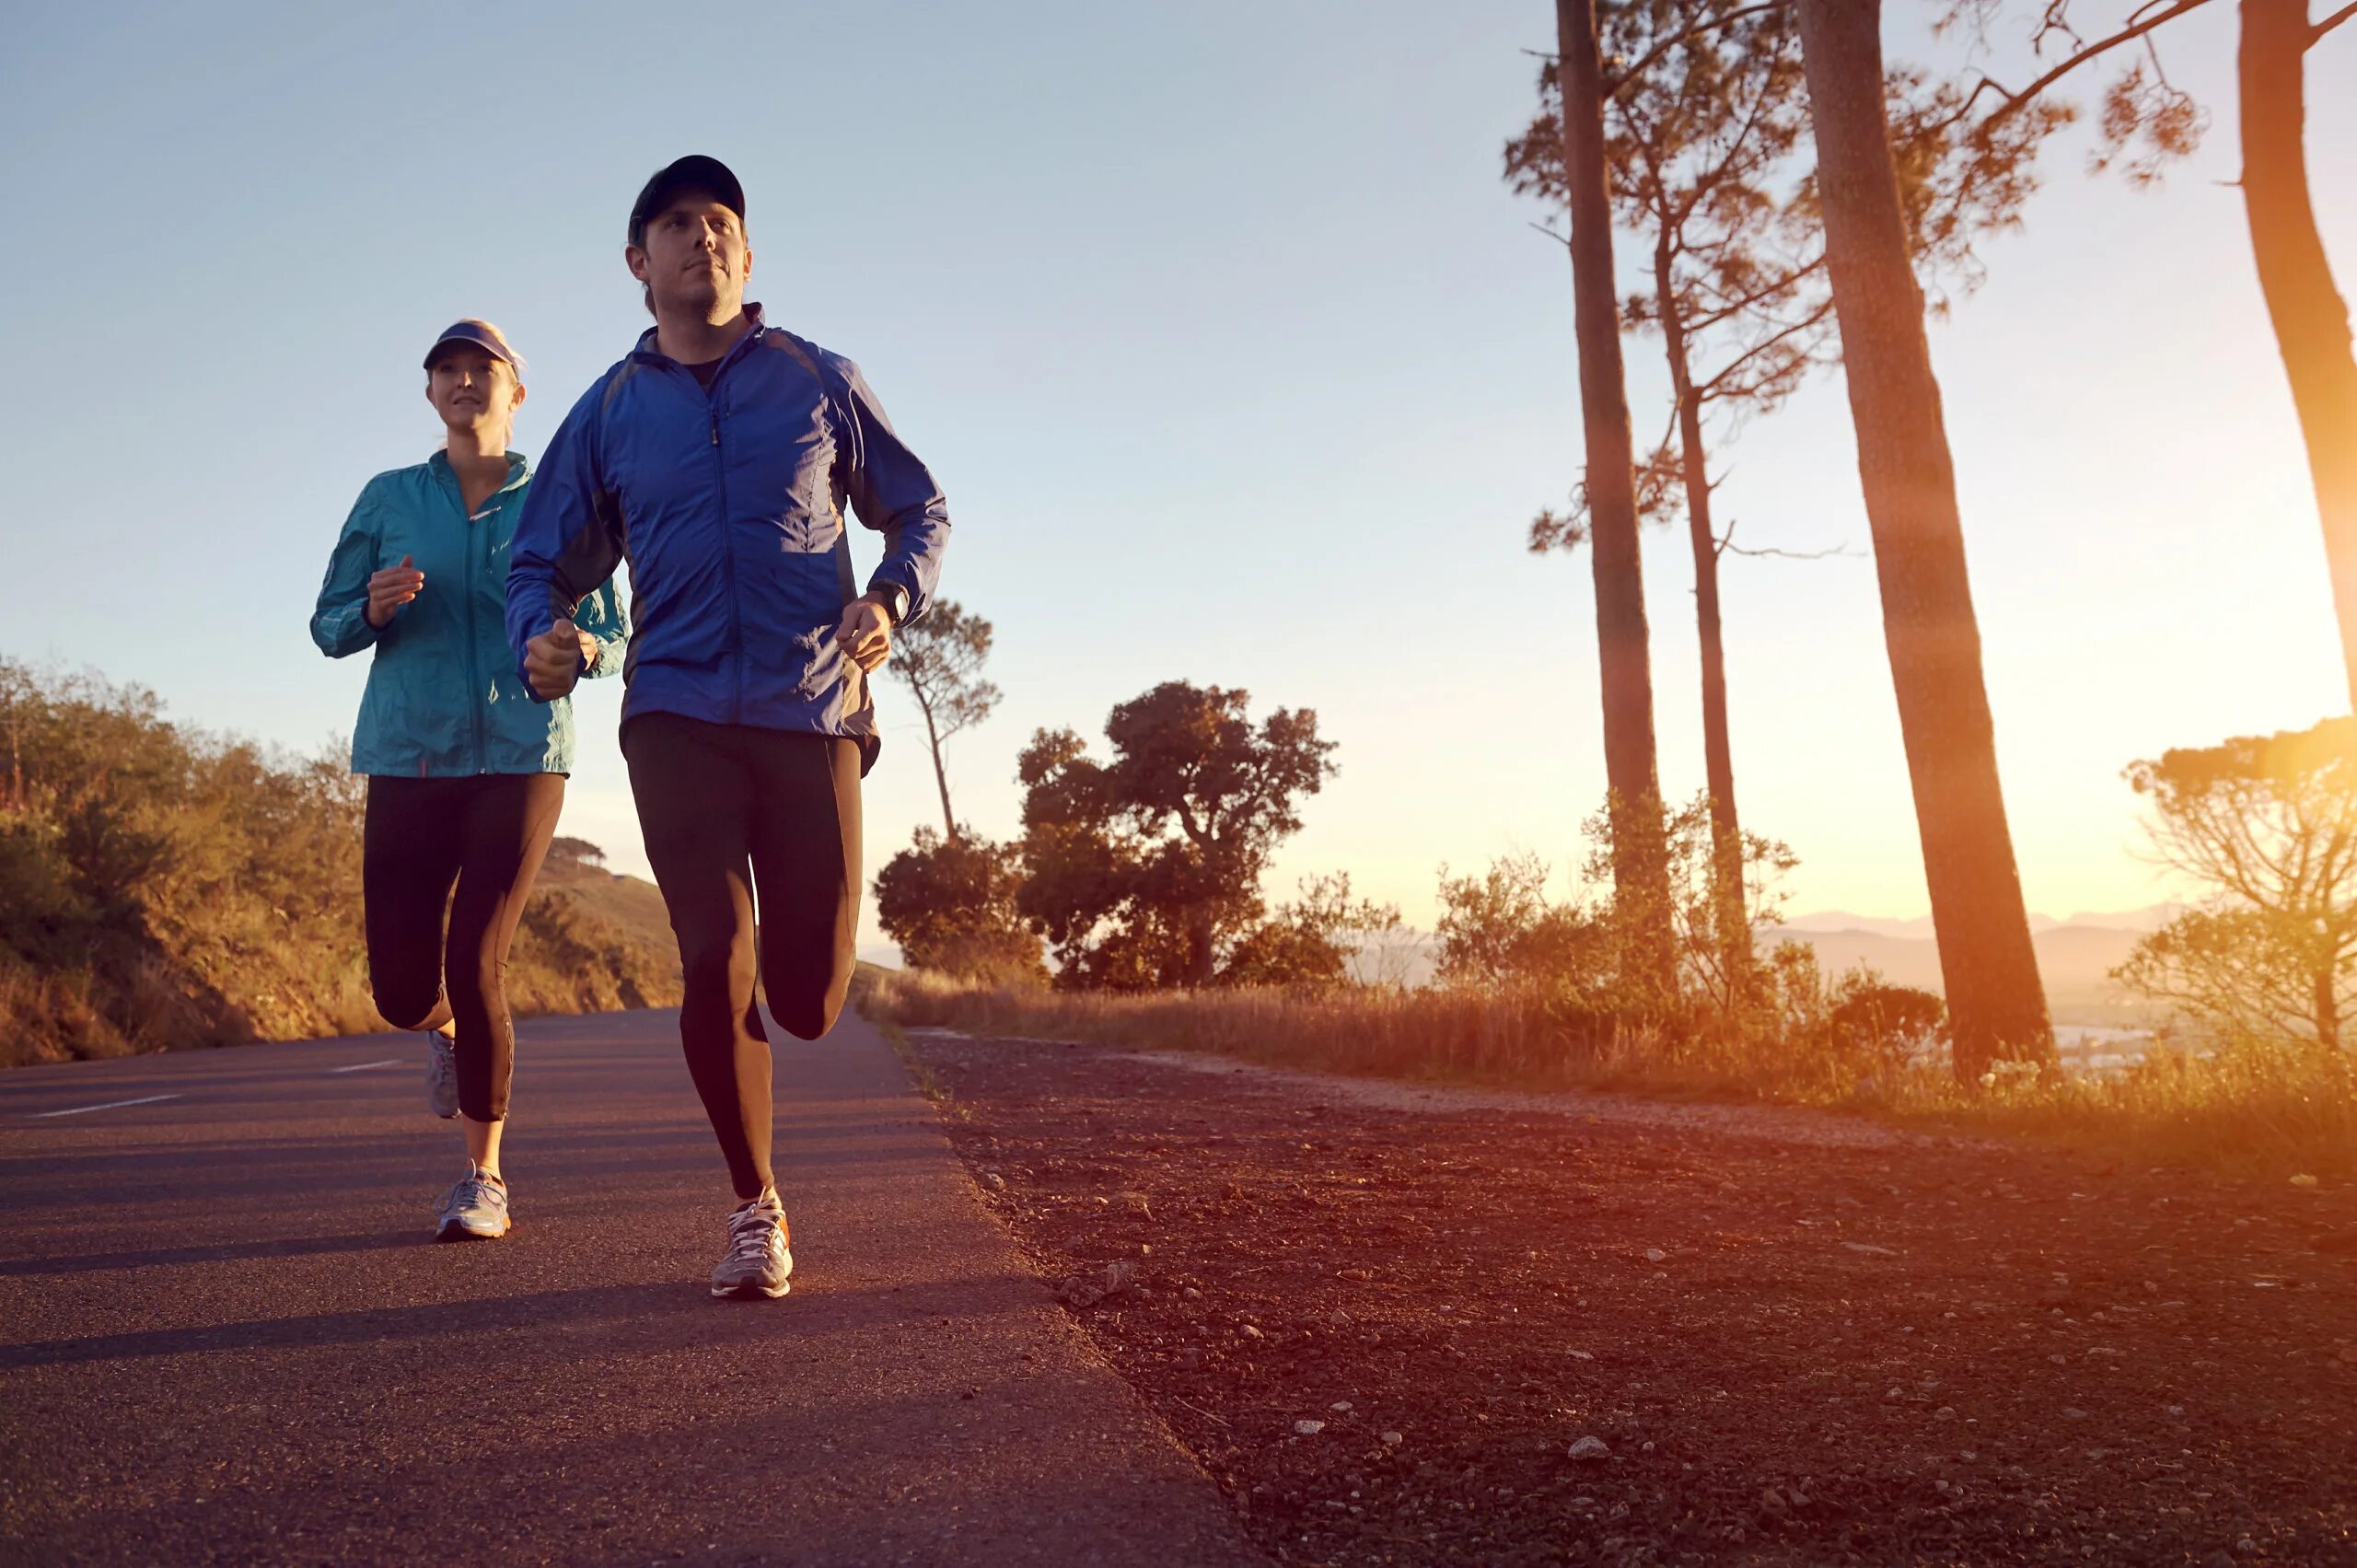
(469, 1193)
(752, 1233)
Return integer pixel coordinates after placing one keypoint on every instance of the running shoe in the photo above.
(441, 1074)
(757, 1263)
(474, 1210)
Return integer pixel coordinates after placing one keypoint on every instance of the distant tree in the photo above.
(1988, 966)
(940, 657)
(1140, 871)
(578, 851)
(952, 905)
(1608, 483)
(2148, 121)
(2267, 825)
(1309, 942)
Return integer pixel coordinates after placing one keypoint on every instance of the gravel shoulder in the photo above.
(1402, 1325)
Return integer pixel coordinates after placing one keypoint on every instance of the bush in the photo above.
(950, 905)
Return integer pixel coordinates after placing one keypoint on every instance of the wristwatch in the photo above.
(892, 599)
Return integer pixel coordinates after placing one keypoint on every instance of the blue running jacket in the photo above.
(728, 505)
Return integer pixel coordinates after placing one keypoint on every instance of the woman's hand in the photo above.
(866, 634)
(390, 589)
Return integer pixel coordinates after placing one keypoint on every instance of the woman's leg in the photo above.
(408, 857)
(806, 875)
(505, 831)
(695, 808)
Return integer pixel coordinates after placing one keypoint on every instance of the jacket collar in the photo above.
(518, 470)
(646, 353)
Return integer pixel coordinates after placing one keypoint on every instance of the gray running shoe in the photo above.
(758, 1262)
(474, 1210)
(441, 1076)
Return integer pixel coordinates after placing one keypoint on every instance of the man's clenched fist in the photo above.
(553, 660)
(866, 634)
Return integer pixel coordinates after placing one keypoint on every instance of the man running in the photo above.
(715, 459)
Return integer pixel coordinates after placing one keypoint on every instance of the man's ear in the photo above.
(635, 260)
(748, 260)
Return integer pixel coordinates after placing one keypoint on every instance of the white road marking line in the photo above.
(111, 1105)
(364, 1066)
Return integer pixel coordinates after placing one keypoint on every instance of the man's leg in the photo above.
(695, 808)
(805, 868)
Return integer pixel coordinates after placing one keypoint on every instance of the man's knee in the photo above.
(809, 1016)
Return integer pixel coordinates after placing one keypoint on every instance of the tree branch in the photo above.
(2104, 46)
(1613, 84)
(2329, 23)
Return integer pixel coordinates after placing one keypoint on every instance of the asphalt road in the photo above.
(228, 1338)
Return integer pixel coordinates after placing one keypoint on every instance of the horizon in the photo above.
(1289, 450)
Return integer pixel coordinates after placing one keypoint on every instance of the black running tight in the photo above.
(738, 819)
(487, 834)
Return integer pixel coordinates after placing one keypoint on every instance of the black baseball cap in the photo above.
(695, 172)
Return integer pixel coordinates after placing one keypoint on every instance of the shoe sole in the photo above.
(750, 1292)
(453, 1232)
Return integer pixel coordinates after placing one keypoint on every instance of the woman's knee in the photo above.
(411, 1005)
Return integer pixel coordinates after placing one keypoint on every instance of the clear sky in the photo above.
(1237, 361)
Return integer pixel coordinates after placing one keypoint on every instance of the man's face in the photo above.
(469, 387)
(694, 258)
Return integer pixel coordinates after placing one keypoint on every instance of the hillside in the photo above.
(162, 887)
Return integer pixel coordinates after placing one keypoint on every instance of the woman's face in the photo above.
(472, 388)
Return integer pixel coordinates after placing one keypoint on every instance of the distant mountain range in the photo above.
(2076, 956)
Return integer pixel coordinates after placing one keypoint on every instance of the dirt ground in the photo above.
(1399, 1326)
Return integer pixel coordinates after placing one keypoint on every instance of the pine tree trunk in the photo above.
(1732, 919)
(1995, 1001)
(940, 773)
(1641, 862)
(2311, 319)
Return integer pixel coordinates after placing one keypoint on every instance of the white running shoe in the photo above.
(441, 1074)
(474, 1210)
(756, 1263)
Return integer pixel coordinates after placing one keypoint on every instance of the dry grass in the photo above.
(2252, 1108)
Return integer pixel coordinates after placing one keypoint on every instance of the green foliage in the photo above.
(163, 888)
(1142, 872)
(950, 905)
(1308, 944)
(1502, 928)
(2267, 827)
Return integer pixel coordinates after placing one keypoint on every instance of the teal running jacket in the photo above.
(444, 698)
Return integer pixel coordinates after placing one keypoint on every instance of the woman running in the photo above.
(466, 773)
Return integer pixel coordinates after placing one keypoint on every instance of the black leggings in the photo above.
(488, 834)
(732, 813)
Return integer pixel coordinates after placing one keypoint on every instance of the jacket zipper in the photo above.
(727, 558)
(474, 669)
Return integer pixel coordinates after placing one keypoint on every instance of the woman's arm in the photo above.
(340, 622)
(605, 626)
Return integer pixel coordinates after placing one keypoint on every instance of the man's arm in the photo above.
(894, 493)
(568, 540)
